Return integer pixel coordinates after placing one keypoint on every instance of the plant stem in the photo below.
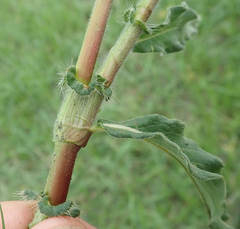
(92, 41)
(77, 112)
(61, 172)
(126, 41)
(72, 126)
(145, 9)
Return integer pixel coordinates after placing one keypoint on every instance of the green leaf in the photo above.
(67, 208)
(202, 167)
(79, 88)
(100, 86)
(181, 23)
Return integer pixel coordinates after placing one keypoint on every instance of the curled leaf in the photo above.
(202, 167)
(79, 88)
(67, 208)
(181, 23)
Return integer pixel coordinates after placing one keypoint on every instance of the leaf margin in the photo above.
(215, 218)
(183, 34)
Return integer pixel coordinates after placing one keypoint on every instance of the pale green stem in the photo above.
(77, 114)
(71, 133)
(126, 41)
(92, 41)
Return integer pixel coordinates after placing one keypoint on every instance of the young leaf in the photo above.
(181, 23)
(202, 167)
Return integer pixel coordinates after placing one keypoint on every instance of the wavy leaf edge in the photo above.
(211, 185)
(170, 36)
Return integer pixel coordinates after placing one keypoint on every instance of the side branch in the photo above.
(92, 40)
(126, 41)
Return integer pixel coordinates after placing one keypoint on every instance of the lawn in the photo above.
(121, 183)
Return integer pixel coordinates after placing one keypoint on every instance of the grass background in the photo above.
(121, 183)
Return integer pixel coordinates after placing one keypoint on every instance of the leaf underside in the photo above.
(202, 167)
(180, 25)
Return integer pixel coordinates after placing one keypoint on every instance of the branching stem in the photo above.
(80, 111)
(77, 113)
(92, 41)
(126, 41)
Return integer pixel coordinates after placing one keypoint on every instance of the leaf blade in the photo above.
(180, 25)
(202, 167)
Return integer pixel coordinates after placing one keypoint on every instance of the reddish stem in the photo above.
(92, 40)
(61, 172)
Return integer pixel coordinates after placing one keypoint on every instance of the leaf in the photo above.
(67, 208)
(81, 89)
(77, 86)
(202, 167)
(181, 23)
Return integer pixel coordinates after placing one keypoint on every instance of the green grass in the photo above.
(121, 183)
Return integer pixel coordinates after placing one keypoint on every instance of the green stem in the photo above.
(126, 41)
(145, 9)
(77, 113)
(71, 133)
(92, 41)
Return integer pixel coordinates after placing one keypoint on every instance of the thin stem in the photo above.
(126, 41)
(145, 9)
(92, 41)
(61, 172)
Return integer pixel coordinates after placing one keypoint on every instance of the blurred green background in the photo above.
(121, 183)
